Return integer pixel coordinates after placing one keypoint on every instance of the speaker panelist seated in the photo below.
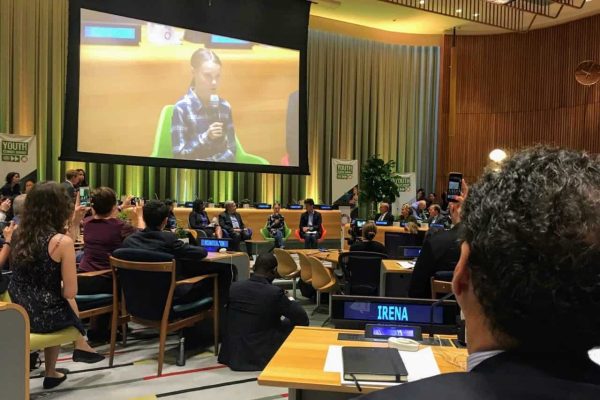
(310, 225)
(385, 215)
(232, 224)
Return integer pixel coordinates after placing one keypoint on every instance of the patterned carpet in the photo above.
(134, 373)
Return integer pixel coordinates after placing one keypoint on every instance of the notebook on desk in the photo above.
(373, 364)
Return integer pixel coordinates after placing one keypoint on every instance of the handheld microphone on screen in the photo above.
(214, 103)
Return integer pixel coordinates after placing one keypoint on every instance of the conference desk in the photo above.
(232, 258)
(298, 364)
(394, 280)
(257, 219)
(381, 230)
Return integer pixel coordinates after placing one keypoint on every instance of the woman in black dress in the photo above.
(42, 257)
(199, 221)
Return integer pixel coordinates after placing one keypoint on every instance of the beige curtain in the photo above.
(364, 98)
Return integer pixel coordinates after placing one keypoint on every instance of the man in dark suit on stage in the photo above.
(310, 225)
(231, 223)
(188, 258)
(385, 215)
(528, 283)
(440, 252)
(254, 318)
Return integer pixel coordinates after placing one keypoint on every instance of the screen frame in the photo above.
(281, 23)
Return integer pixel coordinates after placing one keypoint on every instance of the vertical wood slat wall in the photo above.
(517, 90)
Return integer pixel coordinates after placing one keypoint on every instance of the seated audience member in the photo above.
(276, 226)
(420, 194)
(418, 210)
(431, 199)
(311, 222)
(12, 187)
(82, 178)
(231, 222)
(199, 221)
(528, 283)
(103, 233)
(18, 205)
(440, 252)
(29, 183)
(171, 219)
(436, 217)
(369, 230)
(72, 179)
(256, 328)
(5, 206)
(406, 215)
(385, 215)
(44, 279)
(188, 257)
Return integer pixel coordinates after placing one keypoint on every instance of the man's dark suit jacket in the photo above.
(508, 375)
(439, 220)
(225, 221)
(388, 218)
(317, 222)
(166, 242)
(254, 327)
(440, 252)
(69, 188)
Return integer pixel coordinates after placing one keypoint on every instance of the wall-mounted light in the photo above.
(498, 155)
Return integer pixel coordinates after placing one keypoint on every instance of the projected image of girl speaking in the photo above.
(202, 124)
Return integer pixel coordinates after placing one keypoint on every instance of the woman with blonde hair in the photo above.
(369, 231)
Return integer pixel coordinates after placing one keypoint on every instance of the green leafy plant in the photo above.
(181, 233)
(377, 183)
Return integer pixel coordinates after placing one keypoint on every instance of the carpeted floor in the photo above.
(134, 373)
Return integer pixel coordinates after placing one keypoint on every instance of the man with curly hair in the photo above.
(528, 283)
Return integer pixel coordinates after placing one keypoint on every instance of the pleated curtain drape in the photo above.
(364, 98)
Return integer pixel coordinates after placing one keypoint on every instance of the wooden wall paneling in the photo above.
(517, 90)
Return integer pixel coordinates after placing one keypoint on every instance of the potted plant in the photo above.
(377, 183)
(182, 235)
(211, 202)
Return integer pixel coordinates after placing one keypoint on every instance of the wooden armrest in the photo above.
(95, 273)
(195, 279)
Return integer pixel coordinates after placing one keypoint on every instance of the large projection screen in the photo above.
(219, 86)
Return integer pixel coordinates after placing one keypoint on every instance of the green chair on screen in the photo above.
(163, 145)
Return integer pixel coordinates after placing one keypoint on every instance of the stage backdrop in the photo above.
(18, 154)
(364, 98)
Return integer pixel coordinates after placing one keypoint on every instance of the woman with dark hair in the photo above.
(12, 187)
(29, 184)
(83, 179)
(202, 124)
(44, 279)
(103, 233)
(199, 221)
(369, 231)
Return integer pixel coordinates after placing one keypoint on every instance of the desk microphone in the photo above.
(433, 306)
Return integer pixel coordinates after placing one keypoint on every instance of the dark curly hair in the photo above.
(533, 227)
(47, 210)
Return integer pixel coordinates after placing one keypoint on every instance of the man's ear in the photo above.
(461, 279)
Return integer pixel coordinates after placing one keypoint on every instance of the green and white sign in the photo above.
(344, 182)
(407, 189)
(18, 154)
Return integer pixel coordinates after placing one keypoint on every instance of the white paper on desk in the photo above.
(406, 264)
(419, 364)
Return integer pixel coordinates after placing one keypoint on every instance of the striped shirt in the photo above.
(189, 130)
